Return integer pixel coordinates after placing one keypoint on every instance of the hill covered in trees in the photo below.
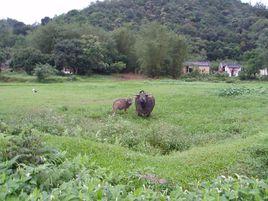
(148, 36)
(215, 29)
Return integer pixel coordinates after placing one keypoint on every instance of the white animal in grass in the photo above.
(34, 90)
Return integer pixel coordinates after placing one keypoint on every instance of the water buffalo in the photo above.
(121, 104)
(144, 104)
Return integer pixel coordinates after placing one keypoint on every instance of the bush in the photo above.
(217, 77)
(225, 188)
(234, 91)
(27, 148)
(72, 78)
(80, 179)
(118, 66)
(43, 71)
(264, 78)
(28, 58)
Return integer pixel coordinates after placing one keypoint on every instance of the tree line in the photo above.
(153, 50)
(153, 37)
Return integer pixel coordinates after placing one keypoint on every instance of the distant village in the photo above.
(203, 67)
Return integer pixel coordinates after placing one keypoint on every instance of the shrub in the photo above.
(81, 180)
(72, 78)
(27, 148)
(28, 58)
(234, 91)
(118, 66)
(197, 76)
(225, 188)
(43, 71)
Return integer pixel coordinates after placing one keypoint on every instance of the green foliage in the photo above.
(118, 66)
(26, 147)
(256, 60)
(228, 188)
(235, 91)
(191, 137)
(45, 38)
(125, 41)
(159, 51)
(75, 179)
(177, 55)
(87, 114)
(94, 50)
(28, 58)
(3, 55)
(216, 30)
(69, 53)
(152, 49)
(257, 161)
(44, 71)
(113, 32)
(216, 77)
(7, 38)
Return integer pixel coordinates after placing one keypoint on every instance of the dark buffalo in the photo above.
(144, 104)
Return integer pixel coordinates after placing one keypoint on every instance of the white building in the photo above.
(264, 72)
(232, 69)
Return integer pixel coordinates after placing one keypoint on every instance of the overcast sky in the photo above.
(31, 11)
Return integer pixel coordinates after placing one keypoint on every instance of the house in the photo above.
(264, 72)
(200, 66)
(67, 71)
(232, 69)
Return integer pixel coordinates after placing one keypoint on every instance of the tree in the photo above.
(254, 62)
(3, 56)
(159, 51)
(118, 66)
(70, 53)
(27, 59)
(18, 28)
(257, 58)
(45, 38)
(43, 71)
(45, 20)
(6, 37)
(125, 40)
(152, 47)
(102, 54)
(177, 54)
(95, 52)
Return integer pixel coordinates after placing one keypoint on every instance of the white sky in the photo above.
(31, 11)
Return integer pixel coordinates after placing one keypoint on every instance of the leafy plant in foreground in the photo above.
(235, 91)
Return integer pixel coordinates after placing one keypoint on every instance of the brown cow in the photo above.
(121, 104)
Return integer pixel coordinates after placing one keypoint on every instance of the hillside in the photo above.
(216, 29)
(152, 37)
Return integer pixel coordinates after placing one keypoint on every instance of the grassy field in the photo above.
(193, 134)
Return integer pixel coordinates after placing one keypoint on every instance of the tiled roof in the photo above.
(231, 65)
(197, 63)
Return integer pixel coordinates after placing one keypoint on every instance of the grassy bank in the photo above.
(194, 133)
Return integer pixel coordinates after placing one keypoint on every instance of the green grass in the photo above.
(193, 133)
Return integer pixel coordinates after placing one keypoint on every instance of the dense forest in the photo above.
(149, 36)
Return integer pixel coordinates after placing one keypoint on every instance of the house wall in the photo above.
(264, 72)
(235, 71)
(201, 69)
